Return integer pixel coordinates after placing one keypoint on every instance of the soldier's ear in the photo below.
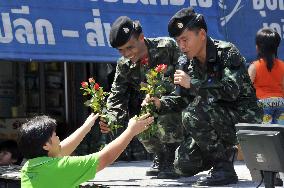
(141, 37)
(203, 34)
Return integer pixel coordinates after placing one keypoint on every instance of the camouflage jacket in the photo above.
(126, 98)
(224, 80)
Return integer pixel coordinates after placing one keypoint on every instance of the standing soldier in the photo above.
(216, 94)
(140, 54)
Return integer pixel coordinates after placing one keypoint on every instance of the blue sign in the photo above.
(78, 30)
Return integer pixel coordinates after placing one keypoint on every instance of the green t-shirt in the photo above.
(59, 172)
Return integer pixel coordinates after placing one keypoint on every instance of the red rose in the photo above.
(161, 68)
(96, 86)
(84, 84)
(91, 80)
(144, 61)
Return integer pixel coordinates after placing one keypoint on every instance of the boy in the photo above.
(49, 163)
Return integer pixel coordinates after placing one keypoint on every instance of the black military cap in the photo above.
(121, 31)
(183, 19)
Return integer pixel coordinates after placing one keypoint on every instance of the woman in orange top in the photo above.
(267, 75)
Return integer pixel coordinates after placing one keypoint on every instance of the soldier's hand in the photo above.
(181, 78)
(149, 99)
(103, 126)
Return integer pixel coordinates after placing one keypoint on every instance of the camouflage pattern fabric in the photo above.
(126, 98)
(220, 96)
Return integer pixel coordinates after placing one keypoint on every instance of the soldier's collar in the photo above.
(138, 63)
(151, 52)
(211, 51)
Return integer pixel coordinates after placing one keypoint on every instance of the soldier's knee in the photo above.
(152, 145)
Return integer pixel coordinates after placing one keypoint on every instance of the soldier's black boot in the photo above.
(222, 173)
(167, 170)
(154, 169)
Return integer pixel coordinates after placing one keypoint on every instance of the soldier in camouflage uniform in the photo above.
(216, 93)
(140, 54)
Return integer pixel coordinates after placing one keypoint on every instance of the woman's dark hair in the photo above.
(34, 134)
(267, 41)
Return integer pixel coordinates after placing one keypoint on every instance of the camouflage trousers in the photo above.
(170, 132)
(209, 134)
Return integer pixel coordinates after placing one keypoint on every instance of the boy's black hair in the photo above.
(34, 134)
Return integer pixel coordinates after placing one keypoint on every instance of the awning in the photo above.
(78, 30)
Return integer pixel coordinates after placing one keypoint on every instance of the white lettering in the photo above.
(95, 35)
(23, 10)
(147, 2)
(24, 33)
(7, 35)
(166, 2)
(130, 1)
(177, 2)
(42, 25)
(205, 3)
(258, 4)
(224, 20)
(193, 2)
(70, 33)
(270, 4)
(201, 3)
(107, 27)
(281, 4)
(96, 12)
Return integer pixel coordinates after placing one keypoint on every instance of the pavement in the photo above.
(132, 174)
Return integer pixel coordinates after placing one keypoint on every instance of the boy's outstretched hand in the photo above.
(139, 124)
(149, 99)
(91, 119)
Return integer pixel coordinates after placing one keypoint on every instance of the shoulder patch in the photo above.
(164, 42)
(123, 60)
(223, 44)
(234, 58)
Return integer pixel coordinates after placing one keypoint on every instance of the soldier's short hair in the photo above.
(122, 29)
(186, 18)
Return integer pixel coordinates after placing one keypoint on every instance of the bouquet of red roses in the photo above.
(156, 86)
(97, 101)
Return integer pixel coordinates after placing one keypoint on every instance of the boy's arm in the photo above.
(111, 152)
(69, 144)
